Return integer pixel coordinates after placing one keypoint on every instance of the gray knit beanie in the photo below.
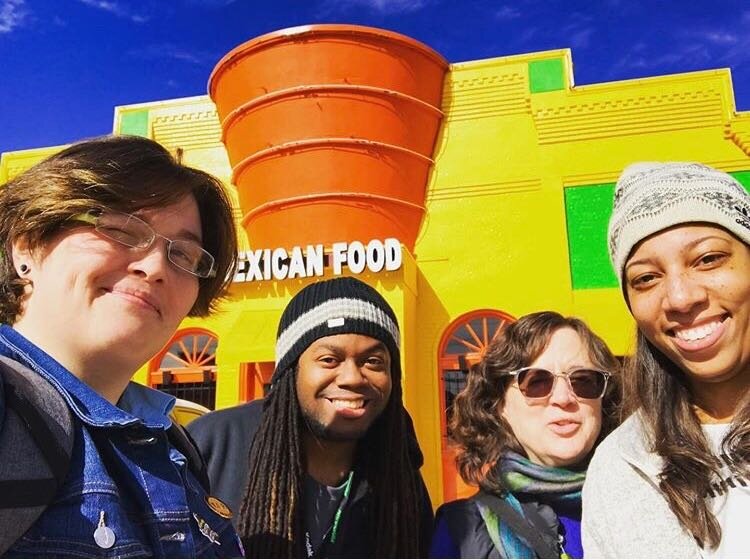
(653, 196)
(342, 305)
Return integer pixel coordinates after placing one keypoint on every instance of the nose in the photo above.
(350, 374)
(682, 293)
(150, 263)
(562, 393)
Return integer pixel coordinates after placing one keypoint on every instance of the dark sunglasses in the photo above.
(537, 383)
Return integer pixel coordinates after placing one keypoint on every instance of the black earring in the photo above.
(24, 268)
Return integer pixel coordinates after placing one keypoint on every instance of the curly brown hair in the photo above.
(476, 426)
(124, 173)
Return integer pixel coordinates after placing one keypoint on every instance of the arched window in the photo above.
(463, 345)
(186, 367)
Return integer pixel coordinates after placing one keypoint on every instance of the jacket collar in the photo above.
(138, 404)
(635, 443)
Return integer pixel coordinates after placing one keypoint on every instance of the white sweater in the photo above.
(625, 514)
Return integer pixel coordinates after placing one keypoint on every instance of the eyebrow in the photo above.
(187, 234)
(689, 246)
(183, 234)
(377, 347)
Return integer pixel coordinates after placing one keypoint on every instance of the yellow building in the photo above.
(516, 209)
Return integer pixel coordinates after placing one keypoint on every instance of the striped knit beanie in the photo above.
(650, 197)
(339, 306)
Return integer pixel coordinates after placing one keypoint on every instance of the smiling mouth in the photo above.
(348, 404)
(698, 333)
(701, 337)
(134, 298)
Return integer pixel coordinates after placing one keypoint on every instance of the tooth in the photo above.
(696, 333)
(352, 404)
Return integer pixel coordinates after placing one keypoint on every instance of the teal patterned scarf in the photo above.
(550, 485)
(547, 485)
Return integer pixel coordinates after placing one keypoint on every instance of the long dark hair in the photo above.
(271, 516)
(657, 389)
(477, 428)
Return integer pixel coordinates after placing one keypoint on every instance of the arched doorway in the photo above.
(462, 346)
(186, 367)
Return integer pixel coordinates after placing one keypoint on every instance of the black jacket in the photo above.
(468, 531)
(225, 437)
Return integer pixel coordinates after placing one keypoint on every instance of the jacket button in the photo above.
(140, 438)
(178, 537)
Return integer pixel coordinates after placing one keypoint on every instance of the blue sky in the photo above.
(65, 64)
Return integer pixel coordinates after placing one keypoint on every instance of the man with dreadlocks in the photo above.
(333, 461)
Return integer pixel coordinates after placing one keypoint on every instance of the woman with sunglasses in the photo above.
(674, 480)
(107, 246)
(525, 426)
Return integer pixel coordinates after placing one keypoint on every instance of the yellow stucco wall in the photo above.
(496, 233)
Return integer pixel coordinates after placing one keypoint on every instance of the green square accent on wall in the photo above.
(743, 178)
(546, 75)
(587, 211)
(135, 123)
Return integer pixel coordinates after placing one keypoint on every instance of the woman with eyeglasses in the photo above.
(525, 426)
(674, 480)
(107, 246)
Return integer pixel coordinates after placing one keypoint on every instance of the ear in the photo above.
(22, 255)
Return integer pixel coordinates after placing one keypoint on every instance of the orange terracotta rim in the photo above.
(305, 31)
(320, 142)
(323, 88)
(365, 200)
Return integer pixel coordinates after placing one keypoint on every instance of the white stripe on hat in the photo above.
(346, 308)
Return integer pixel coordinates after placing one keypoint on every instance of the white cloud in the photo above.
(211, 3)
(680, 58)
(578, 31)
(12, 15)
(507, 12)
(724, 47)
(116, 8)
(379, 6)
(580, 38)
(721, 37)
(172, 52)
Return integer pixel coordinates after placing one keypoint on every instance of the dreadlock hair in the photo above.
(269, 522)
(271, 517)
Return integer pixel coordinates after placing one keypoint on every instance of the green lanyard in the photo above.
(342, 505)
(336, 519)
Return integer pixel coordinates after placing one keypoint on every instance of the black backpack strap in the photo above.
(520, 525)
(37, 431)
(182, 441)
(34, 492)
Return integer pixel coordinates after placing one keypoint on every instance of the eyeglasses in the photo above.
(133, 232)
(537, 383)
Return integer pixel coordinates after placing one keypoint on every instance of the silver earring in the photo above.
(24, 268)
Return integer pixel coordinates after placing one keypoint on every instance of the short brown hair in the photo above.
(124, 173)
(481, 434)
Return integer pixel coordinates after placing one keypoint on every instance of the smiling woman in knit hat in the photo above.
(672, 481)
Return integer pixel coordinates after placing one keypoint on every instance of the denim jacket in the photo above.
(124, 476)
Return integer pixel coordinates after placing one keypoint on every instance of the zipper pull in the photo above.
(560, 542)
(104, 537)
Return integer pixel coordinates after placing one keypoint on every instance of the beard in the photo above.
(323, 432)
